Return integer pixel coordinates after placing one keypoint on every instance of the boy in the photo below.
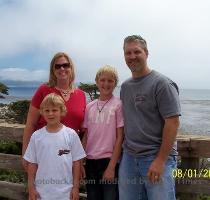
(54, 154)
(103, 138)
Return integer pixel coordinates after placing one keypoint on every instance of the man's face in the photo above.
(135, 56)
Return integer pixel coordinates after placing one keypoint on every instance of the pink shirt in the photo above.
(102, 127)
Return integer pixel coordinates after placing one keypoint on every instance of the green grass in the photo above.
(12, 176)
(10, 147)
(204, 197)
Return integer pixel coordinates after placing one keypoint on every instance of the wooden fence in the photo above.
(193, 175)
(192, 178)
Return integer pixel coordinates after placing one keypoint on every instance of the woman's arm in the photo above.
(32, 119)
(109, 173)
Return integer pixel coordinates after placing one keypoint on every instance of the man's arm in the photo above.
(169, 136)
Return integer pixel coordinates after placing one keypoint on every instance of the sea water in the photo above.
(195, 105)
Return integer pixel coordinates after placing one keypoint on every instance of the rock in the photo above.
(2, 97)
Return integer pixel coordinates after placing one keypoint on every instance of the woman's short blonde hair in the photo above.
(53, 100)
(52, 78)
(107, 69)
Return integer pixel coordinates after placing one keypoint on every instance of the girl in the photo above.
(103, 125)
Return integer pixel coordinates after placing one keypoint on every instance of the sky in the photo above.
(91, 32)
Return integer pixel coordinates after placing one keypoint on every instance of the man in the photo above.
(151, 110)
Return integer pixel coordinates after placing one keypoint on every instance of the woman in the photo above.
(61, 81)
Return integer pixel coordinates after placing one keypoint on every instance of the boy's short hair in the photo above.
(54, 100)
(109, 70)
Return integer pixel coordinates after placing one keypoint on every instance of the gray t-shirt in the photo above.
(147, 101)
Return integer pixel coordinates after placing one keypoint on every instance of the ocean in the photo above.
(195, 106)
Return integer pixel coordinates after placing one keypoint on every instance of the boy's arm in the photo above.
(32, 169)
(110, 171)
(76, 177)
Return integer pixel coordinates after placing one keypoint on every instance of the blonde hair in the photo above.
(52, 78)
(108, 70)
(54, 100)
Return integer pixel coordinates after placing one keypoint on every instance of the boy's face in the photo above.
(52, 114)
(106, 84)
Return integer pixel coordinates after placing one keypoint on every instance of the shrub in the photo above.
(10, 147)
(18, 111)
(4, 89)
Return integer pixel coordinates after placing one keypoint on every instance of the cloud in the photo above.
(18, 74)
(92, 33)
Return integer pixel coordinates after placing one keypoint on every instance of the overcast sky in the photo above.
(92, 33)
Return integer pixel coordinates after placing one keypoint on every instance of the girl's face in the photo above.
(62, 69)
(106, 84)
(52, 114)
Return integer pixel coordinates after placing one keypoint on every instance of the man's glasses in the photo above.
(64, 65)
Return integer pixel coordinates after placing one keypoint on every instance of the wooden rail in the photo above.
(194, 178)
(189, 184)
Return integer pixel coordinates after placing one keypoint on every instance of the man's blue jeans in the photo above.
(134, 184)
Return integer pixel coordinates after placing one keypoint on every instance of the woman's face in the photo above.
(62, 69)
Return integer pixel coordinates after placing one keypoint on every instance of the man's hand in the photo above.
(156, 170)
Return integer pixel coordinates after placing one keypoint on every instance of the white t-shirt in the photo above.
(54, 154)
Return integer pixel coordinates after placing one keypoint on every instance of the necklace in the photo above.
(100, 109)
(64, 92)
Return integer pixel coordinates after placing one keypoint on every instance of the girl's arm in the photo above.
(84, 138)
(32, 118)
(109, 173)
(32, 169)
(84, 142)
(76, 178)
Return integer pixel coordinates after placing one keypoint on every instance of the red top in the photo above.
(75, 106)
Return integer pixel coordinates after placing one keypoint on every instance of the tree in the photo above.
(3, 89)
(18, 111)
(91, 89)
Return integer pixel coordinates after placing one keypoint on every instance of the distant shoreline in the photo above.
(9, 99)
